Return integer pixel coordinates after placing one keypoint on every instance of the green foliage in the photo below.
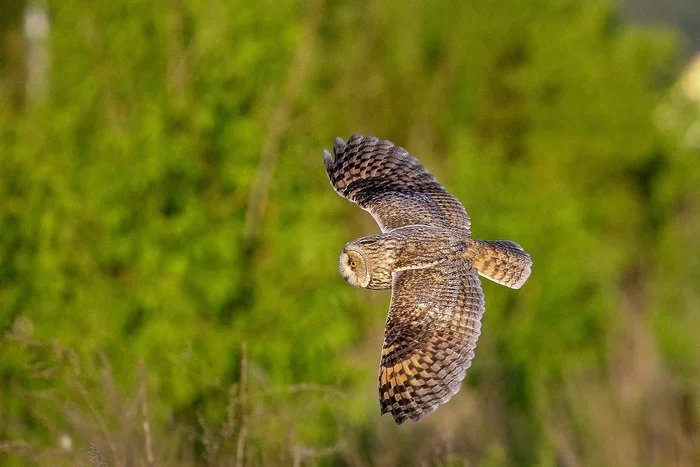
(128, 233)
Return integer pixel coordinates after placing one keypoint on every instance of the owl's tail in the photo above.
(501, 261)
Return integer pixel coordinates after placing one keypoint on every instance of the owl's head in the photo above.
(353, 265)
(368, 262)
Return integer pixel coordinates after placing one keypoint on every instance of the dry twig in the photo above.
(243, 433)
(143, 395)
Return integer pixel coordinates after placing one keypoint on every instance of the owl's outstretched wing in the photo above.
(431, 332)
(392, 185)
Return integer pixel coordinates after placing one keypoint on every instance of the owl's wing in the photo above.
(431, 332)
(392, 185)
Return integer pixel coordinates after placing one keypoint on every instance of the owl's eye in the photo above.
(353, 264)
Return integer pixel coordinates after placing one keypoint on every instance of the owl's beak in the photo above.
(343, 267)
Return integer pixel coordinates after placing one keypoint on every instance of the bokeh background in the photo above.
(169, 239)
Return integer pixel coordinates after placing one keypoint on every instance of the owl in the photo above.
(425, 255)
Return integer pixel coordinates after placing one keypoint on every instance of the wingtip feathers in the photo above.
(339, 145)
(328, 158)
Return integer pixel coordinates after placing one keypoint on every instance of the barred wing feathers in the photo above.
(433, 325)
(389, 183)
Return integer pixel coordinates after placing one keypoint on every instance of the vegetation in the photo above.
(169, 239)
(683, 13)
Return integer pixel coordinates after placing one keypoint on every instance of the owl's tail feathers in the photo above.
(501, 261)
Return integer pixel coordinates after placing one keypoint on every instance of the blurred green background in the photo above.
(169, 239)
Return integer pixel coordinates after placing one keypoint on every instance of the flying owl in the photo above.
(426, 257)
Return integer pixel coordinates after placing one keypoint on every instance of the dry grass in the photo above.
(630, 413)
(101, 425)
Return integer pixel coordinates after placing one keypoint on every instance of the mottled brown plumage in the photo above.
(502, 261)
(424, 254)
(391, 184)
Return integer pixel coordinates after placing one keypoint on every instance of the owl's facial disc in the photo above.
(353, 266)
